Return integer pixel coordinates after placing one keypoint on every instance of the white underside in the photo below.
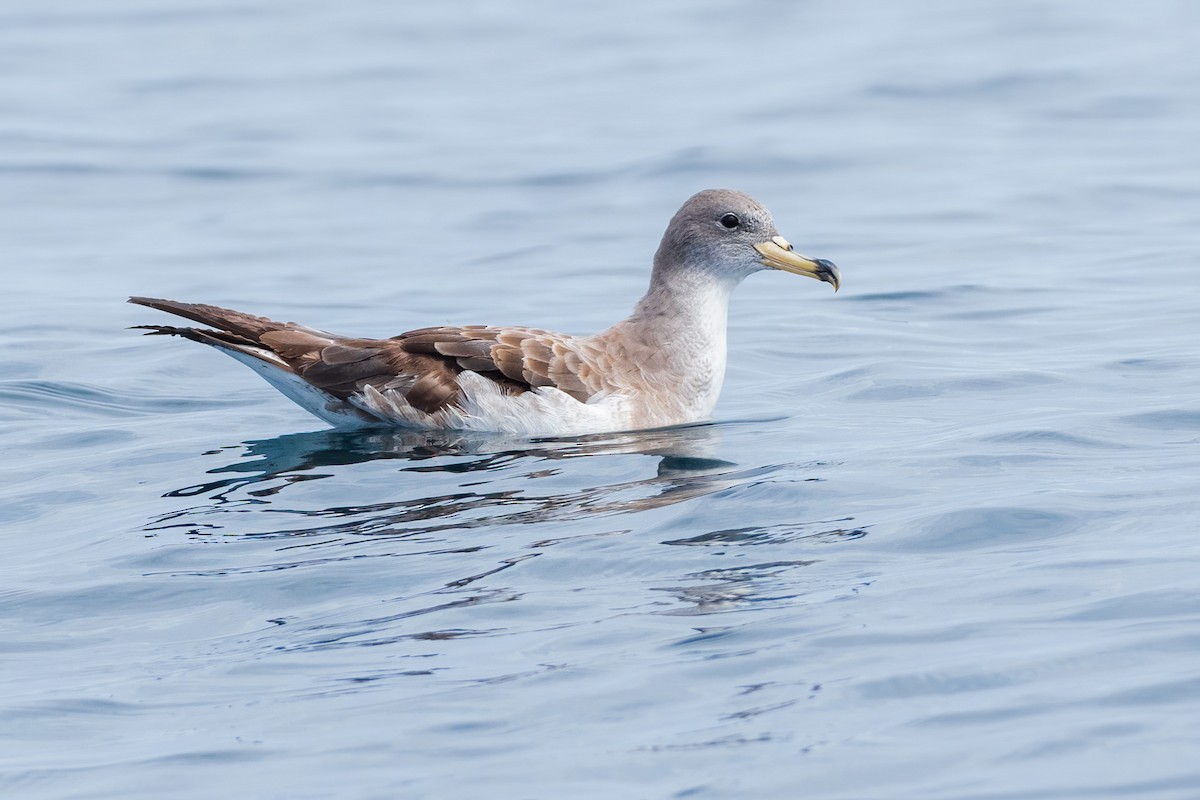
(545, 411)
(301, 392)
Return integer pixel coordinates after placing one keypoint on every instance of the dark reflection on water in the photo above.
(686, 448)
(460, 496)
(778, 534)
(685, 469)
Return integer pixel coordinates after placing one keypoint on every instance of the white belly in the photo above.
(540, 412)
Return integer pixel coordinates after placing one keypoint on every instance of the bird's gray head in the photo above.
(731, 235)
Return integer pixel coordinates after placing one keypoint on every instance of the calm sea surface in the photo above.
(940, 542)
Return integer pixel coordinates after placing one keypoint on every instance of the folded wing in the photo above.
(421, 366)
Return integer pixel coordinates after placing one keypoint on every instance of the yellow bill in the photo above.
(778, 254)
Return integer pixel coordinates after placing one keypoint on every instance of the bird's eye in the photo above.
(730, 221)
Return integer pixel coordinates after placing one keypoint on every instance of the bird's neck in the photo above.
(676, 337)
(689, 307)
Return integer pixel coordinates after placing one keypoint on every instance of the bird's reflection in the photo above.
(685, 468)
(404, 494)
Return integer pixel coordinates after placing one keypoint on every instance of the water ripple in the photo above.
(40, 398)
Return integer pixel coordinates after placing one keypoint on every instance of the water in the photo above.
(939, 543)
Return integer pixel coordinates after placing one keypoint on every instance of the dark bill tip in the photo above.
(827, 271)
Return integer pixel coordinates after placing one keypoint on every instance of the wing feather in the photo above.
(422, 366)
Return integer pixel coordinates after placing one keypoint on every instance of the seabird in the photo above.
(662, 365)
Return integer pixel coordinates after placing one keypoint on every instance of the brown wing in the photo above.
(516, 358)
(422, 365)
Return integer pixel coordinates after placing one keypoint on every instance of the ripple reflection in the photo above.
(481, 481)
(468, 514)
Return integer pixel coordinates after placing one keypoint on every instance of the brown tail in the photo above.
(296, 355)
(225, 320)
(215, 338)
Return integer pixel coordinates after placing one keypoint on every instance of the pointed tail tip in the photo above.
(156, 330)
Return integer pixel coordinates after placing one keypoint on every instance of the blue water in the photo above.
(940, 541)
